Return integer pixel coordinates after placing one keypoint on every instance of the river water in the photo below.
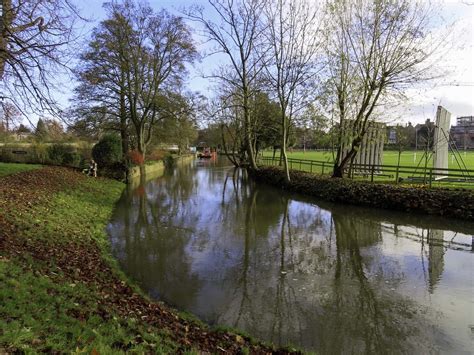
(294, 270)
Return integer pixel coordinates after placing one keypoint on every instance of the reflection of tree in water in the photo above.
(357, 315)
(154, 242)
(353, 312)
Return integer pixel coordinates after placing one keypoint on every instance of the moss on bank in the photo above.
(453, 203)
(60, 289)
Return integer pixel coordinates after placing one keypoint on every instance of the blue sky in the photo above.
(457, 95)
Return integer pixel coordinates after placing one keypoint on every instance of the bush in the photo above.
(6, 156)
(107, 151)
(136, 157)
(63, 154)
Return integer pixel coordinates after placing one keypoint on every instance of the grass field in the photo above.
(8, 168)
(408, 158)
(388, 175)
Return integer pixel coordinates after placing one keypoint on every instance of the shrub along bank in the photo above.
(61, 290)
(457, 203)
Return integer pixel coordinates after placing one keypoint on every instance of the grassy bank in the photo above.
(60, 289)
(451, 203)
(9, 169)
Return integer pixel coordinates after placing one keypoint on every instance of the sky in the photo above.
(455, 91)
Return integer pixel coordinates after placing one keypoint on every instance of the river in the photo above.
(297, 271)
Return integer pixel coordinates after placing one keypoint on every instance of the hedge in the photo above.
(455, 203)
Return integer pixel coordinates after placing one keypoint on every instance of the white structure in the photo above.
(441, 141)
(371, 148)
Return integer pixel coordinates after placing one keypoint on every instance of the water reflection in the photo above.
(330, 278)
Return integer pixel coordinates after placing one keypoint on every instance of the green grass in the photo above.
(13, 168)
(408, 158)
(39, 306)
(37, 316)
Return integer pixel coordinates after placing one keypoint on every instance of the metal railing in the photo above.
(396, 173)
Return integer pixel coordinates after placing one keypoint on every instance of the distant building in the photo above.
(424, 134)
(463, 132)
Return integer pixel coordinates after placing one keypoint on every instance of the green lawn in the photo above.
(13, 168)
(408, 158)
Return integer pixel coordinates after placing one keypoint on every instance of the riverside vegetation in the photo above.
(453, 203)
(61, 290)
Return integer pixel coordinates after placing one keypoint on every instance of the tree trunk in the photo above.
(123, 129)
(338, 171)
(141, 146)
(250, 151)
(284, 157)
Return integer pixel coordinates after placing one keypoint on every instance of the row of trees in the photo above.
(348, 59)
(286, 64)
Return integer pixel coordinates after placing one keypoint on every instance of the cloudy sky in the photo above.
(455, 91)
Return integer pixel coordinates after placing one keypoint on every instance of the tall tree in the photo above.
(101, 97)
(159, 48)
(34, 46)
(135, 57)
(292, 31)
(237, 36)
(375, 48)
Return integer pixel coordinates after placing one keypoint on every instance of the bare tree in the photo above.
(237, 37)
(375, 48)
(292, 31)
(34, 46)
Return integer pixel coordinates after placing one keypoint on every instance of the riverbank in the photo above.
(443, 202)
(62, 291)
